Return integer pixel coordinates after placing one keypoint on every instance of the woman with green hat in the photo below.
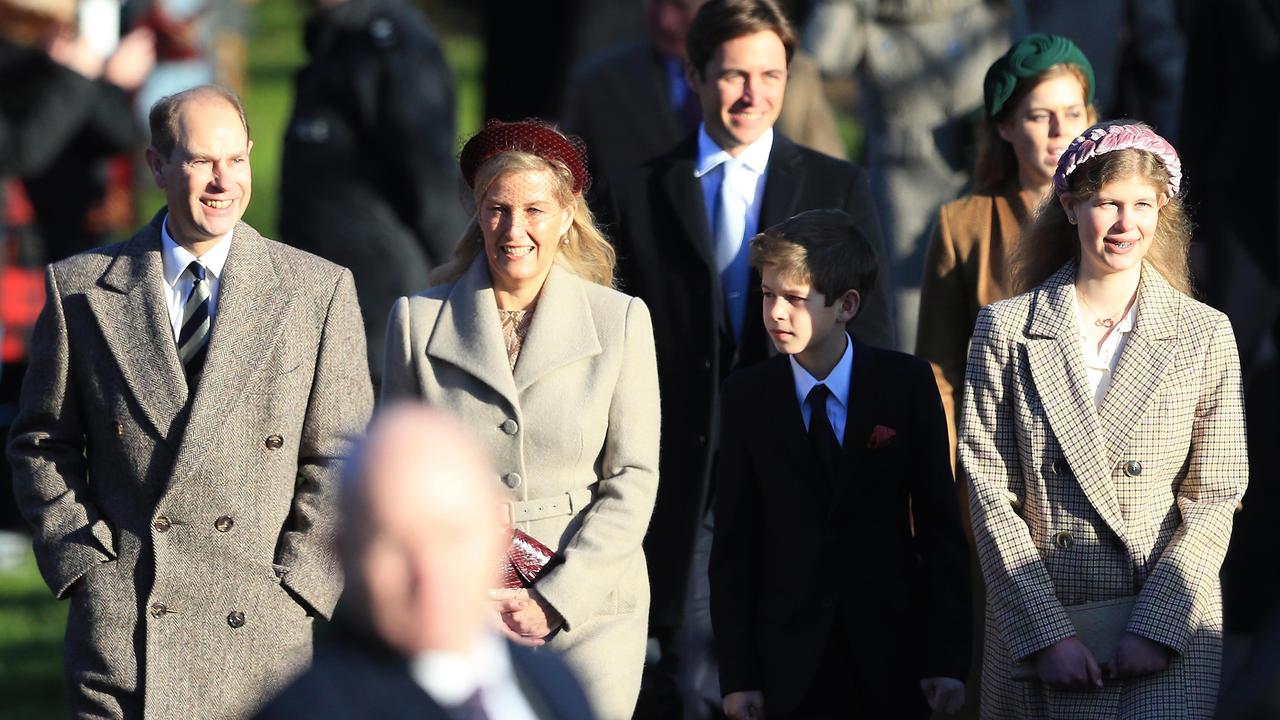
(1036, 99)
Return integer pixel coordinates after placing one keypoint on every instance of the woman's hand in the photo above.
(525, 617)
(1135, 656)
(1068, 664)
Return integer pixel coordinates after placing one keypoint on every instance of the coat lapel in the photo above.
(468, 332)
(865, 395)
(131, 312)
(1147, 352)
(684, 193)
(1057, 370)
(252, 304)
(562, 331)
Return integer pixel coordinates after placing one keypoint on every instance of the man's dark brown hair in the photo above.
(719, 21)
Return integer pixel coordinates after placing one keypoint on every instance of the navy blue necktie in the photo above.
(823, 436)
(193, 338)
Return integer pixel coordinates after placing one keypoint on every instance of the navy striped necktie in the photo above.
(193, 338)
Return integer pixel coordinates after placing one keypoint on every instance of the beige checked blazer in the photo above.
(1071, 504)
(192, 532)
(574, 434)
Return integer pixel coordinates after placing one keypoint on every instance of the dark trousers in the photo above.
(838, 690)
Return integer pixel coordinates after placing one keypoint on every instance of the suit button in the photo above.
(828, 603)
(119, 428)
(509, 426)
(706, 364)
(702, 439)
(235, 619)
(223, 524)
(1133, 468)
(275, 442)
(162, 524)
(158, 609)
(512, 480)
(1064, 540)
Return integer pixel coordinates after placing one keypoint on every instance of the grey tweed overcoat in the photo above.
(1072, 504)
(191, 534)
(574, 434)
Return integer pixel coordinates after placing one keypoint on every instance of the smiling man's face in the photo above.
(741, 89)
(206, 179)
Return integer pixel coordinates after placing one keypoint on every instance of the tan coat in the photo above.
(1071, 504)
(574, 434)
(965, 269)
(192, 535)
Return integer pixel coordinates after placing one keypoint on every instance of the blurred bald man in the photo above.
(417, 635)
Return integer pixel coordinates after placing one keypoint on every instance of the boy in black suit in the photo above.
(839, 579)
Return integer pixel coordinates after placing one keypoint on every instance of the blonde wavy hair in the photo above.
(1052, 240)
(586, 253)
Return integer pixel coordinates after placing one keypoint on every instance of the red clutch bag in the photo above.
(525, 558)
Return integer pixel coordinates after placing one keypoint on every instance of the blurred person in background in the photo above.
(632, 102)
(1231, 43)
(416, 635)
(1138, 49)
(64, 109)
(918, 65)
(1036, 99)
(368, 176)
(526, 340)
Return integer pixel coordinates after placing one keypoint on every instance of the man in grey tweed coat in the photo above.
(177, 447)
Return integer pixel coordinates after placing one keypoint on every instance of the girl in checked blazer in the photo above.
(1103, 436)
(555, 373)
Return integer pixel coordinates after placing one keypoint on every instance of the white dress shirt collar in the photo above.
(451, 678)
(711, 156)
(177, 258)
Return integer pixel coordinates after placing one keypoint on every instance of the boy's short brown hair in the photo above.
(824, 248)
(719, 21)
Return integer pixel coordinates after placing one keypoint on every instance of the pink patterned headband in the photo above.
(1102, 139)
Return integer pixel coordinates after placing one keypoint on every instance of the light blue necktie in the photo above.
(732, 255)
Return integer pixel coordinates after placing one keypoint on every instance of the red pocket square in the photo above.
(881, 436)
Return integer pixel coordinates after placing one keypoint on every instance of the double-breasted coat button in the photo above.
(235, 619)
(158, 609)
(119, 428)
(275, 442)
(512, 480)
(509, 426)
(162, 524)
(1064, 539)
(1133, 468)
(223, 524)
(1061, 468)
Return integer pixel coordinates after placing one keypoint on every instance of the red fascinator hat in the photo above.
(531, 136)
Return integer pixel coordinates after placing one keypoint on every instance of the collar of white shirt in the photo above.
(711, 156)
(176, 258)
(450, 678)
(837, 381)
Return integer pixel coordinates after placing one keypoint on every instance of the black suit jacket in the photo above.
(359, 679)
(665, 256)
(884, 548)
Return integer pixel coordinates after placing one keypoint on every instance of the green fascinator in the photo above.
(1029, 56)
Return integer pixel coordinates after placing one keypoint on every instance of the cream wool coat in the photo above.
(1072, 504)
(579, 415)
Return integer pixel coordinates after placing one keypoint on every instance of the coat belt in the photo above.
(570, 503)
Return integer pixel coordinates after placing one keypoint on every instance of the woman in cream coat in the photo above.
(1103, 436)
(555, 372)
